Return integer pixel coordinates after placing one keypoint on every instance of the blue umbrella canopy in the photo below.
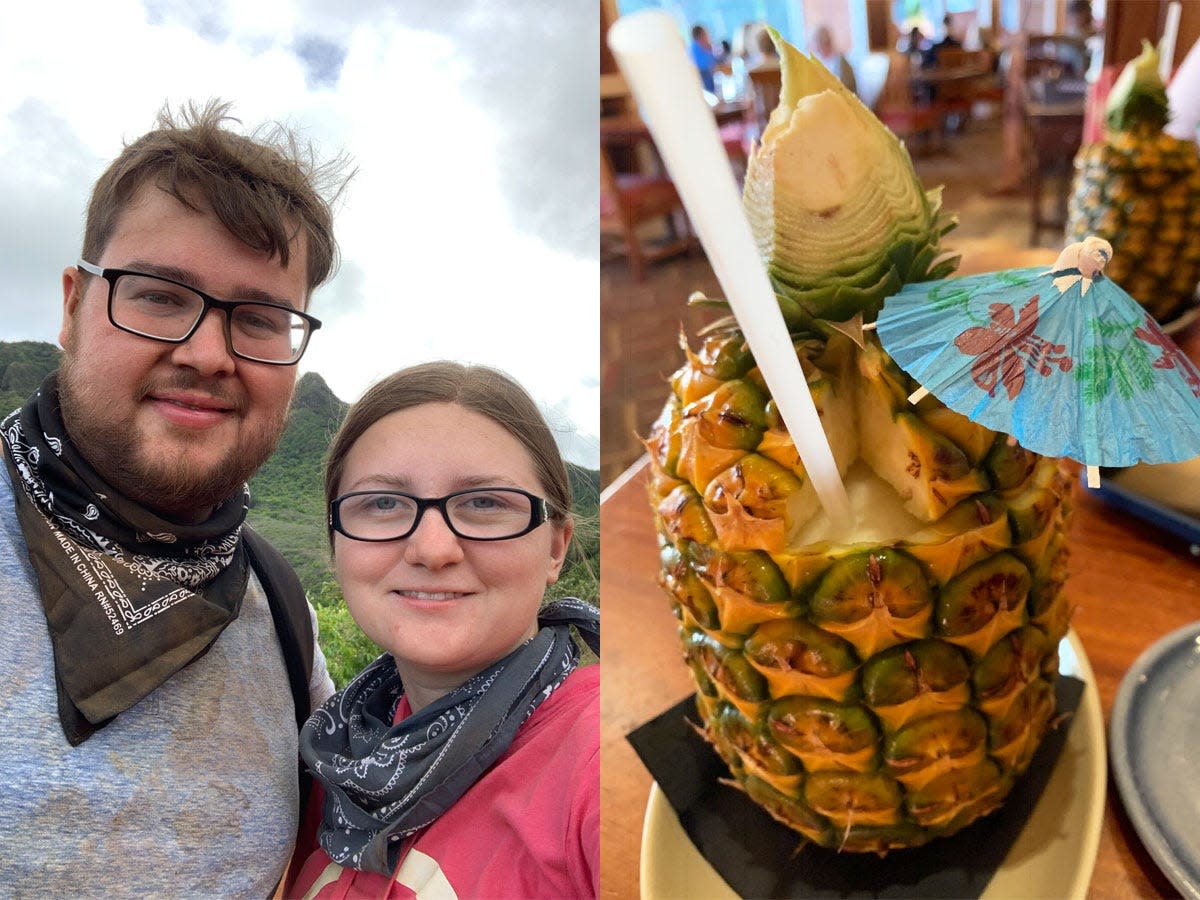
(1062, 359)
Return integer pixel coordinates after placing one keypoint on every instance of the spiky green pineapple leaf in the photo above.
(1138, 96)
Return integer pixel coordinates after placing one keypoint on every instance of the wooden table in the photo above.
(728, 111)
(936, 75)
(628, 128)
(1130, 585)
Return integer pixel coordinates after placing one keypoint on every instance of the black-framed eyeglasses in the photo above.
(478, 514)
(162, 309)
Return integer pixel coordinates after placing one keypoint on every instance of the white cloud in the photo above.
(450, 247)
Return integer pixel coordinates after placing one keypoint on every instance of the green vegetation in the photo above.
(288, 507)
(347, 650)
(287, 502)
(24, 365)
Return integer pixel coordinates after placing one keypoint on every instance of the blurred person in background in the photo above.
(1082, 24)
(914, 43)
(707, 60)
(929, 58)
(824, 50)
(747, 44)
(767, 51)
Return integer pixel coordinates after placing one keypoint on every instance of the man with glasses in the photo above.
(150, 743)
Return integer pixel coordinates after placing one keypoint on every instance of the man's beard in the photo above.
(173, 485)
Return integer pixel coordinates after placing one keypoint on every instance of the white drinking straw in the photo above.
(650, 51)
(1183, 97)
(1166, 45)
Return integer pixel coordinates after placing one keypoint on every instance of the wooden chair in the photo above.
(768, 85)
(956, 98)
(628, 201)
(897, 109)
(990, 88)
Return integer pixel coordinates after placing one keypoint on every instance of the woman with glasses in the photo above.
(466, 758)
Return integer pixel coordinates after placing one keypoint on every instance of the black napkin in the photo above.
(757, 856)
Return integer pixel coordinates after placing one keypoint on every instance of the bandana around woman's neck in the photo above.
(130, 598)
(384, 781)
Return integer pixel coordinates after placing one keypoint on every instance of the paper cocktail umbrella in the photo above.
(1062, 359)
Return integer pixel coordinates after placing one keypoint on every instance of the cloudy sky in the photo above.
(469, 230)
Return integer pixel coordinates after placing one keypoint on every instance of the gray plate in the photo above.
(1155, 733)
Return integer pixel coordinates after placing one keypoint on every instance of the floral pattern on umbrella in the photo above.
(952, 293)
(1005, 348)
(1171, 357)
(1061, 358)
(1115, 365)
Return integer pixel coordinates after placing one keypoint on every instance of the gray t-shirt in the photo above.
(191, 793)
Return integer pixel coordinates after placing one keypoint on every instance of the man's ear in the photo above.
(72, 285)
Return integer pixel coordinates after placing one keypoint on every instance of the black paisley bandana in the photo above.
(384, 781)
(130, 598)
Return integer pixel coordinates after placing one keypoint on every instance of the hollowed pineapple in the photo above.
(877, 689)
(1139, 189)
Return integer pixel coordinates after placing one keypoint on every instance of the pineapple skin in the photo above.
(871, 696)
(1139, 189)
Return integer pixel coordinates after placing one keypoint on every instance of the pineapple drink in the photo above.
(876, 689)
(1139, 189)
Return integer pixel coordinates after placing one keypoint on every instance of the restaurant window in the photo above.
(794, 20)
(1040, 16)
(967, 18)
(723, 18)
(970, 17)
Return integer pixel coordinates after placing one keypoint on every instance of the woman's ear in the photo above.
(559, 542)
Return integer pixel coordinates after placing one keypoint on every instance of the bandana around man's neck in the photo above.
(130, 598)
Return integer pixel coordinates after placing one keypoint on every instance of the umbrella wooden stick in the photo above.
(650, 51)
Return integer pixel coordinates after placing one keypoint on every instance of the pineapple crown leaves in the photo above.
(801, 76)
(801, 323)
(834, 203)
(1138, 98)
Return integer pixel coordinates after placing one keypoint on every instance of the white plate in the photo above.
(1155, 730)
(1052, 857)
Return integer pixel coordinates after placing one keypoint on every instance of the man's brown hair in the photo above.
(264, 187)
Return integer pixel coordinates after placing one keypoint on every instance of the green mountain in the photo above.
(287, 497)
(23, 366)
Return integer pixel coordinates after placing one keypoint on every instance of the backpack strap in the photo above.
(293, 626)
(289, 611)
